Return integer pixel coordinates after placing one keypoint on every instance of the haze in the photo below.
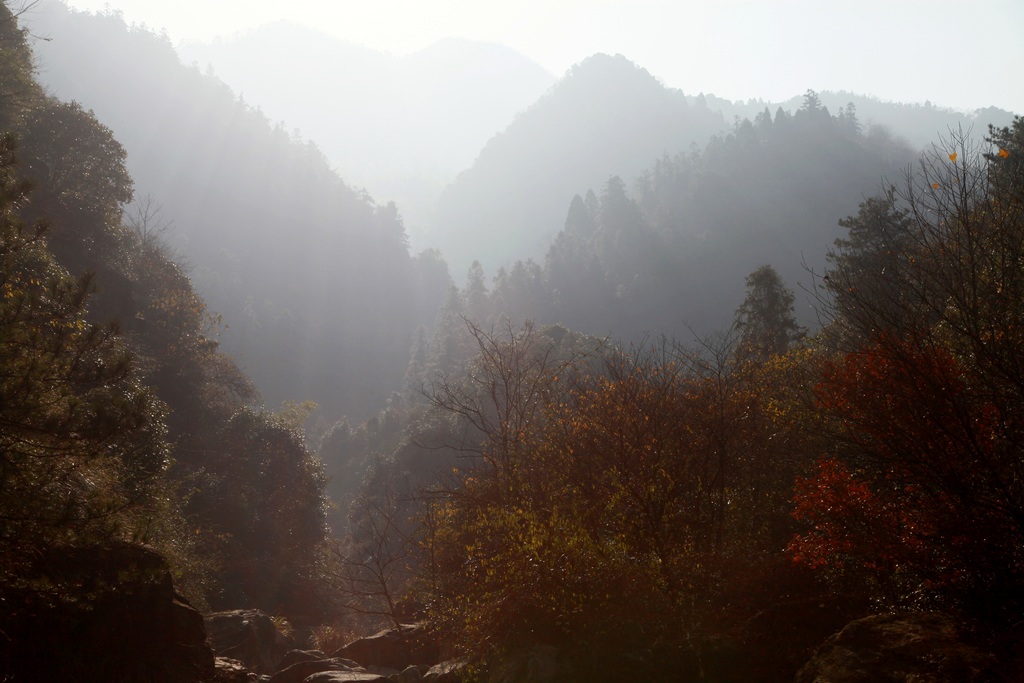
(601, 341)
(941, 50)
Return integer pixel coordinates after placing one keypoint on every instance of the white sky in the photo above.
(958, 53)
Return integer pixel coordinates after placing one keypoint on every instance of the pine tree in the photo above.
(765, 319)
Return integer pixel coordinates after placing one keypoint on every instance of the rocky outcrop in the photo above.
(347, 677)
(395, 648)
(451, 671)
(380, 659)
(232, 671)
(296, 656)
(413, 674)
(300, 671)
(248, 636)
(926, 647)
(112, 615)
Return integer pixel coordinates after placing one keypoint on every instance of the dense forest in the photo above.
(760, 382)
(287, 253)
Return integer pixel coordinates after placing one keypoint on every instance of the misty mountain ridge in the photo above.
(241, 195)
(919, 124)
(402, 127)
(610, 117)
(288, 253)
(607, 116)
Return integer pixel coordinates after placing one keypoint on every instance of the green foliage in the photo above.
(82, 444)
(629, 262)
(261, 505)
(765, 319)
(130, 431)
(17, 87)
(314, 266)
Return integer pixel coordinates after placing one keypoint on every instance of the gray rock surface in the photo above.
(248, 636)
(346, 677)
(394, 648)
(232, 671)
(451, 671)
(924, 647)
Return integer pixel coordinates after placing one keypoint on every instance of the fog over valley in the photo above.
(568, 341)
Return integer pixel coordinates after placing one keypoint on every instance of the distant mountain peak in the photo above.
(607, 116)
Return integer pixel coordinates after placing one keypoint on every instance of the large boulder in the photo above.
(450, 671)
(232, 671)
(300, 671)
(105, 613)
(249, 636)
(296, 656)
(346, 677)
(924, 647)
(394, 648)
(413, 674)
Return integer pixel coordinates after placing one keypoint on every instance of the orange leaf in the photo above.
(952, 157)
(1003, 153)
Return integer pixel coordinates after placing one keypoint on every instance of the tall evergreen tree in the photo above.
(765, 319)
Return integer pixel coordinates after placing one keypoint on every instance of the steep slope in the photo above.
(607, 116)
(676, 250)
(668, 252)
(121, 423)
(402, 127)
(314, 280)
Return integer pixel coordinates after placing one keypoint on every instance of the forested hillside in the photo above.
(606, 117)
(666, 252)
(707, 509)
(124, 430)
(748, 408)
(915, 123)
(314, 279)
(403, 127)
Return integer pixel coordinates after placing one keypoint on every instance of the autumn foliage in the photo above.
(648, 501)
(920, 501)
(641, 506)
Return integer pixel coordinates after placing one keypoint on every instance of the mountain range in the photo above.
(402, 127)
(285, 243)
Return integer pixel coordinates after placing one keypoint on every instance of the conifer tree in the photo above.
(765, 319)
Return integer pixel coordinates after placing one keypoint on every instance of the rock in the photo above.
(785, 634)
(450, 671)
(249, 636)
(112, 615)
(346, 677)
(295, 656)
(232, 671)
(412, 674)
(394, 648)
(384, 671)
(924, 647)
(300, 671)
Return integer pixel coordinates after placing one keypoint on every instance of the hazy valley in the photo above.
(675, 386)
